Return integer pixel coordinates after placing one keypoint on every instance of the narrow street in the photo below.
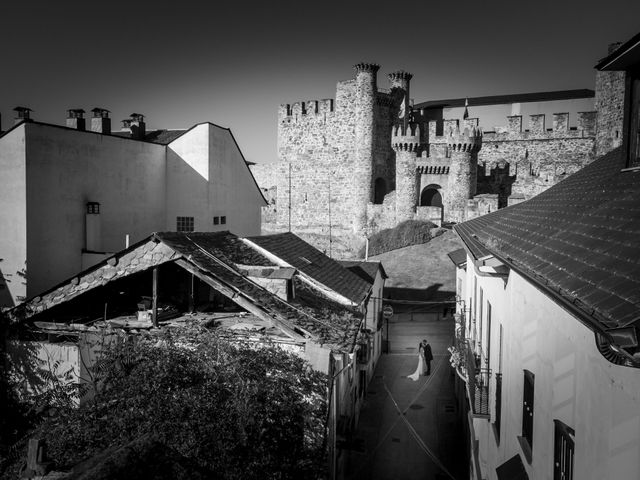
(409, 430)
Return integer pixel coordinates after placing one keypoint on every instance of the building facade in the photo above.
(70, 195)
(547, 330)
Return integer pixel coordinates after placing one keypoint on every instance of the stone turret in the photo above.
(406, 143)
(462, 147)
(400, 81)
(365, 104)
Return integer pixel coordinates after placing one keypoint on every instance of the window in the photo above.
(216, 220)
(363, 353)
(498, 414)
(527, 414)
(184, 224)
(480, 338)
(223, 220)
(488, 328)
(496, 422)
(563, 451)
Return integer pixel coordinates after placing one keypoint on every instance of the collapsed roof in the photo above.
(216, 259)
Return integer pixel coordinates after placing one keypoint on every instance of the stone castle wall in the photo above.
(338, 170)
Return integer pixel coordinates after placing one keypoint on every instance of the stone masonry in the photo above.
(367, 160)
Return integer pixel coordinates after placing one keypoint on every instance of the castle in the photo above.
(369, 159)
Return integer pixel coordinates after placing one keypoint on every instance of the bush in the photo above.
(411, 232)
(234, 410)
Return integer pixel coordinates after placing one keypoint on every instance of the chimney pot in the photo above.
(100, 122)
(75, 119)
(23, 114)
(137, 126)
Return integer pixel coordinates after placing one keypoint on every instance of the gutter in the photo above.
(568, 305)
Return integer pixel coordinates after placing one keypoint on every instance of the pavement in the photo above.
(409, 430)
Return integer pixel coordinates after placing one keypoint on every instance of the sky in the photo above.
(233, 63)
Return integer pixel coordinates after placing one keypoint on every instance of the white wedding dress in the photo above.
(420, 370)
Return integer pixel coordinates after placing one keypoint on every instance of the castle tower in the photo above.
(463, 147)
(406, 143)
(365, 105)
(400, 81)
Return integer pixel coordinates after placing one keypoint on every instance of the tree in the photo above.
(235, 410)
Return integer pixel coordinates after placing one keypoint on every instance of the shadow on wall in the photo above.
(430, 294)
(6, 298)
(5, 295)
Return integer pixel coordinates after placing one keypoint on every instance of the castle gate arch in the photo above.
(379, 190)
(431, 196)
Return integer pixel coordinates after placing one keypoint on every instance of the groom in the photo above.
(428, 356)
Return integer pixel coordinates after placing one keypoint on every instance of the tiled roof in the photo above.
(458, 257)
(162, 137)
(309, 260)
(365, 270)
(504, 99)
(578, 240)
(210, 257)
(225, 245)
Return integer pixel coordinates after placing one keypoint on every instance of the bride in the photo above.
(420, 370)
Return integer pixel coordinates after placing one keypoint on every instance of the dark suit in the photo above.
(428, 356)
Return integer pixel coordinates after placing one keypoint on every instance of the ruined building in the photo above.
(370, 159)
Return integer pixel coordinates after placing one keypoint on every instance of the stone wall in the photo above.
(610, 106)
(338, 171)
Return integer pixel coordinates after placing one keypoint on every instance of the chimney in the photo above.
(137, 126)
(22, 115)
(75, 119)
(100, 122)
(93, 234)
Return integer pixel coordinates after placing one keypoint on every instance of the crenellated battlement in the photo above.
(467, 138)
(366, 67)
(406, 138)
(308, 108)
(399, 79)
(513, 130)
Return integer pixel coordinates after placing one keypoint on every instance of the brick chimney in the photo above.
(100, 122)
(137, 126)
(22, 115)
(75, 119)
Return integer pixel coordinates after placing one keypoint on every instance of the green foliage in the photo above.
(411, 232)
(238, 410)
(16, 416)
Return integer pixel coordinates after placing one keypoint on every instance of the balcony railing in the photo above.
(468, 366)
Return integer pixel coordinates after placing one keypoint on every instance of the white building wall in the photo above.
(13, 216)
(65, 170)
(207, 163)
(573, 383)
